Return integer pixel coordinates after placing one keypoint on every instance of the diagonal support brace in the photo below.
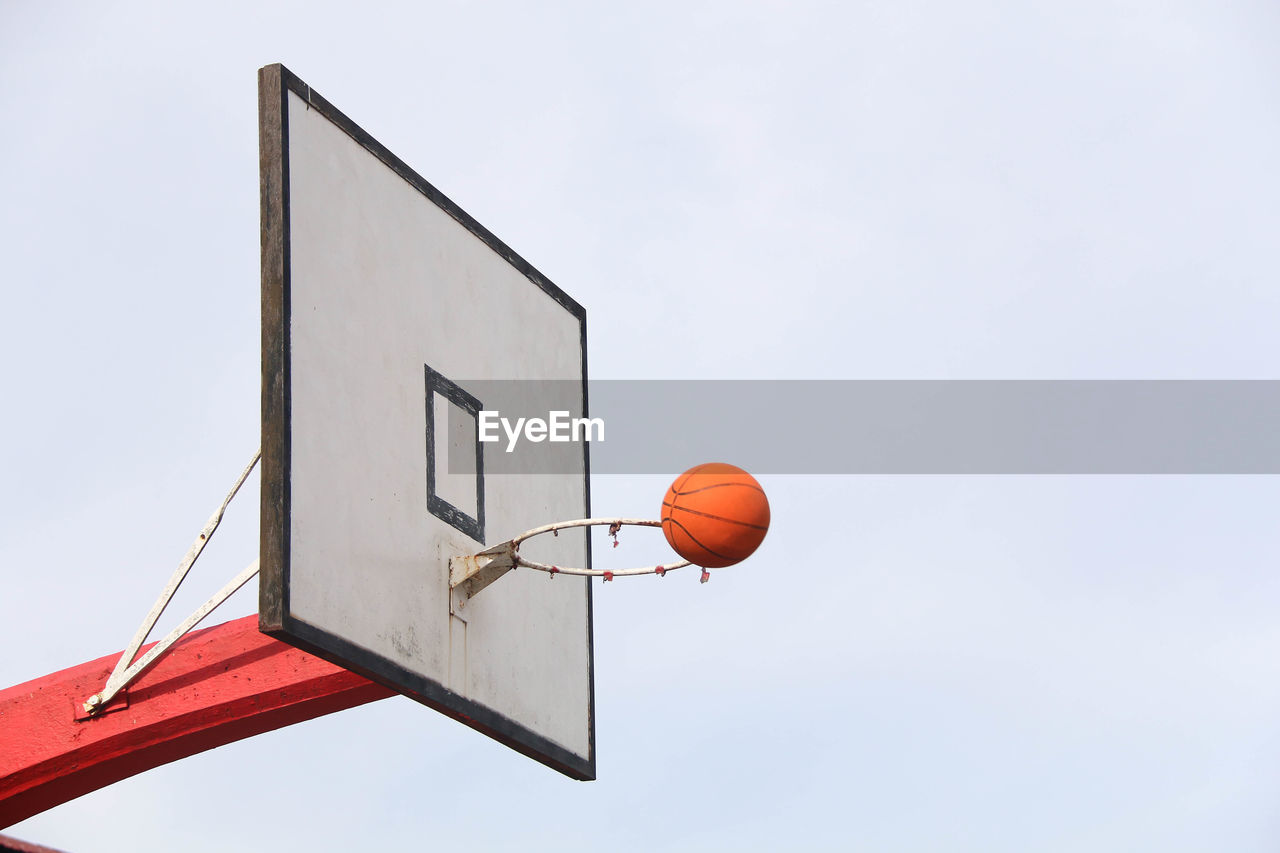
(126, 669)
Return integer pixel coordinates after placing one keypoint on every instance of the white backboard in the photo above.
(385, 309)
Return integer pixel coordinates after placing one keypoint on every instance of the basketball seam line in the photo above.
(673, 508)
(675, 523)
(717, 486)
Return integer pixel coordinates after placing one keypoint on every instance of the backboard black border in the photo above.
(274, 618)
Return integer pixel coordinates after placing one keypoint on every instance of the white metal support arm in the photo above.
(126, 669)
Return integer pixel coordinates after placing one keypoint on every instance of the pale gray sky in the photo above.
(733, 190)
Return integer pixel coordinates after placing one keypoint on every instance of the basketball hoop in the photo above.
(471, 573)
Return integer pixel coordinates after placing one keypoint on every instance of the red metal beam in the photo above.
(215, 686)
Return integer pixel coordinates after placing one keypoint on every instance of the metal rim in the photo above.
(614, 524)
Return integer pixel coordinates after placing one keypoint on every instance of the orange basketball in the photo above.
(715, 515)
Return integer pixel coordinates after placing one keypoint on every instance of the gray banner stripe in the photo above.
(931, 427)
